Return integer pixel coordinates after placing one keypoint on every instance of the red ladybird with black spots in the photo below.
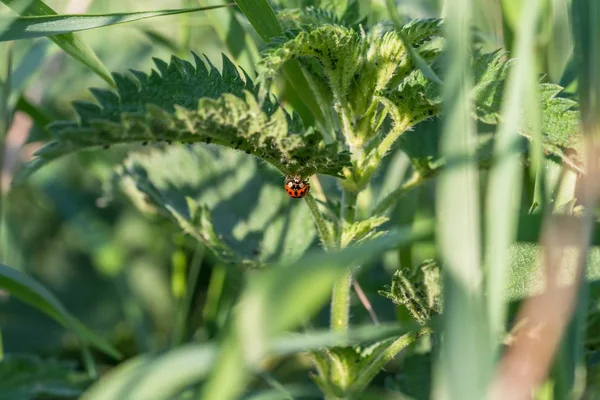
(296, 187)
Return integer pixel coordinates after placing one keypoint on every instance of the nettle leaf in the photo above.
(418, 31)
(417, 99)
(337, 49)
(420, 291)
(362, 230)
(193, 103)
(251, 220)
(344, 371)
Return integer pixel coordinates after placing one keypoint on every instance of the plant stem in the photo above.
(348, 210)
(322, 229)
(340, 299)
(369, 371)
(340, 303)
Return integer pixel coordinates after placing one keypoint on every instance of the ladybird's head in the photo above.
(295, 181)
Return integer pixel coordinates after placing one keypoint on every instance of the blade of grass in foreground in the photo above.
(457, 206)
(504, 188)
(51, 25)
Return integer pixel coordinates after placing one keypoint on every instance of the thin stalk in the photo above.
(322, 229)
(365, 301)
(389, 140)
(181, 324)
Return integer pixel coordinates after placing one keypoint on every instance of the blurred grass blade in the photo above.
(262, 17)
(264, 21)
(465, 336)
(51, 25)
(18, 7)
(160, 378)
(504, 188)
(71, 44)
(164, 376)
(162, 40)
(32, 292)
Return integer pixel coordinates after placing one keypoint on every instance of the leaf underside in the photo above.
(193, 103)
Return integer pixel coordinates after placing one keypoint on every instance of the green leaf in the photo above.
(32, 292)
(362, 230)
(420, 291)
(252, 220)
(71, 44)
(51, 25)
(188, 103)
(29, 378)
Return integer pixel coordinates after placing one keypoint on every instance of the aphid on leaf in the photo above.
(296, 187)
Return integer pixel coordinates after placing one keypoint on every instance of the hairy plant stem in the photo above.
(340, 299)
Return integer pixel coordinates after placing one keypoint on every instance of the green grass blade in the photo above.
(465, 360)
(504, 188)
(70, 43)
(262, 17)
(32, 292)
(52, 25)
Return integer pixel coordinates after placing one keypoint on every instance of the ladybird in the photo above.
(296, 187)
